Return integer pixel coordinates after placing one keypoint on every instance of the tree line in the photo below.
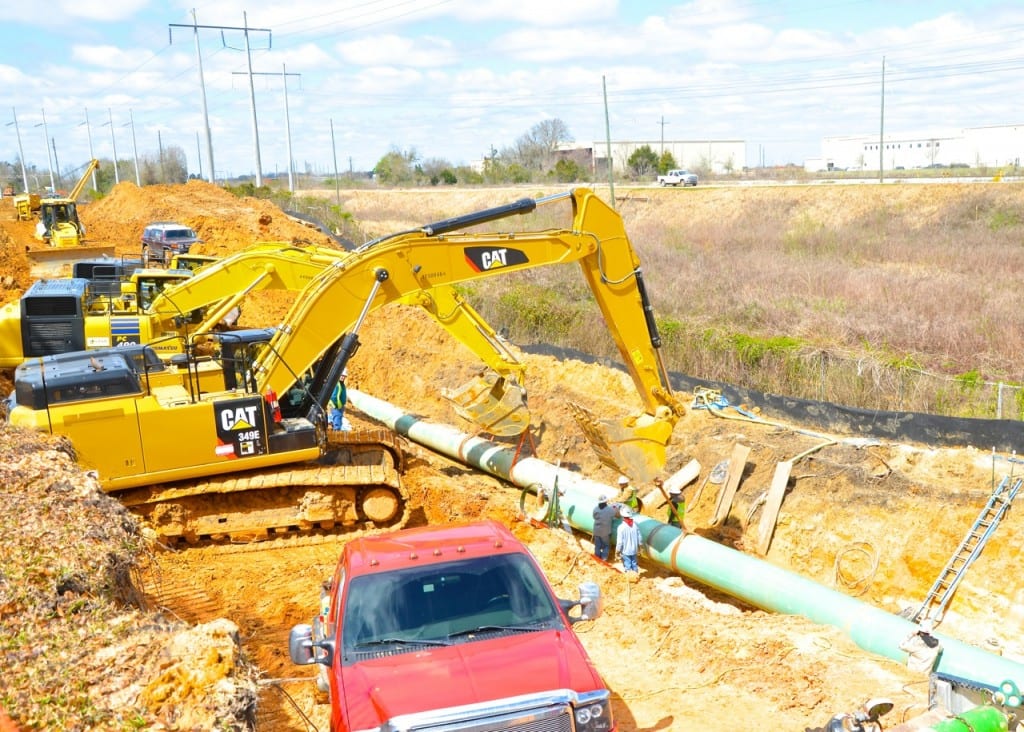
(170, 167)
(539, 155)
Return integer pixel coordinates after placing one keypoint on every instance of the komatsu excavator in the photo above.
(253, 457)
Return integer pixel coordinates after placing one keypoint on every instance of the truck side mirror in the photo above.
(305, 651)
(590, 603)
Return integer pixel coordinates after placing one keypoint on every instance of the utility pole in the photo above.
(92, 156)
(252, 91)
(135, 148)
(881, 131)
(663, 123)
(160, 145)
(334, 156)
(21, 152)
(113, 144)
(56, 161)
(288, 132)
(49, 157)
(287, 124)
(199, 157)
(202, 88)
(608, 142)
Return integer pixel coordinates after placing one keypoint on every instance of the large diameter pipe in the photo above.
(739, 575)
(979, 719)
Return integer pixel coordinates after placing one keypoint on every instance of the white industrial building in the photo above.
(976, 147)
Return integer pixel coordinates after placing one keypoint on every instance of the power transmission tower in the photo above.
(252, 93)
(287, 122)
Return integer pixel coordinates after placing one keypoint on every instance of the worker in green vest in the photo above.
(339, 397)
(676, 507)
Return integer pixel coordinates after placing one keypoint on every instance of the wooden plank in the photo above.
(772, 504)
(682, 477)
(737, 464)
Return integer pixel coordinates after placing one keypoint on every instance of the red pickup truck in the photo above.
(452, 627)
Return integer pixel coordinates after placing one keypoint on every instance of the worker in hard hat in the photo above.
(336, 407)
(628, 495)
(676, 506)
(627, 540)
(922, 647)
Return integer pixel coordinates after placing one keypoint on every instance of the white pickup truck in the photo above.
(678, 178)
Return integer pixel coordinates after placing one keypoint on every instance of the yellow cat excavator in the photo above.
(258, 458)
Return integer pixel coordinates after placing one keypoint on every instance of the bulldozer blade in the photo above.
(56, 261)
(635, 446)
(494, 404)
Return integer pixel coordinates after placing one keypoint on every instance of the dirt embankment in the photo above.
(878, 522)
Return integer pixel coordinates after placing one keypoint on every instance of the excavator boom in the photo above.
(391, 269)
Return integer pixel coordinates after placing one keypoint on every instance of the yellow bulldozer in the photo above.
(59, 227)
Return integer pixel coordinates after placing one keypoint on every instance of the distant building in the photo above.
(994, 147)
(717, 156)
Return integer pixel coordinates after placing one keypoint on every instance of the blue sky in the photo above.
(452, 78)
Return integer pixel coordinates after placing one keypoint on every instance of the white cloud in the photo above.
(566, 13)
(109, 57)
(399, 50)
(62, 13)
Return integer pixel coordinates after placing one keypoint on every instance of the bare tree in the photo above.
(535, 149)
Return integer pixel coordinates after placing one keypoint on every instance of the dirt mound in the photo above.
(223, 221)
(67, 611)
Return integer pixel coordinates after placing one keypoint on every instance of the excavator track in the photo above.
(356, 486)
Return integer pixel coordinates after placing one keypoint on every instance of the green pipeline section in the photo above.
(754, 581)
(979, 719)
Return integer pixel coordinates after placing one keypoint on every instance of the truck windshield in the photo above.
(444, 604)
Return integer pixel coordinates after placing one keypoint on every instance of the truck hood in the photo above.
(466, 673)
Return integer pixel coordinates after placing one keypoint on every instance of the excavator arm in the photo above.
(77, 190)
(330, 310)
(495, 400)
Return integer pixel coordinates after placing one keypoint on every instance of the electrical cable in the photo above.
(870, 553)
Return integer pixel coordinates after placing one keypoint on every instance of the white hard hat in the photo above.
(927, 625)
(603, 498)
(625, 512)
(674, 491)
(623, 480)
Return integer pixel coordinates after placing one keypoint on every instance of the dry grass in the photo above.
(892, 297)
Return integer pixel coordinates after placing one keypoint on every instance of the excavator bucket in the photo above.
(635, 446)
(493, 403)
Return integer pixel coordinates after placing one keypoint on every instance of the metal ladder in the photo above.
(935, 604)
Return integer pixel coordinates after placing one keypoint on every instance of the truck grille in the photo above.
(556, 718)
